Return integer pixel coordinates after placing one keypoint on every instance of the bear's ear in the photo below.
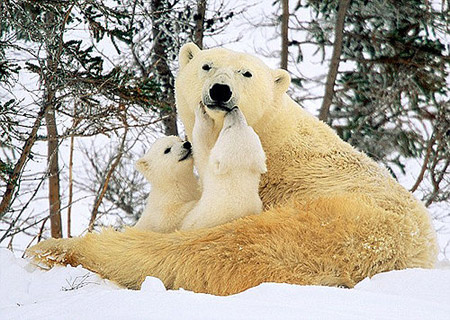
(187, 52)
(142, 166)
(282, 80)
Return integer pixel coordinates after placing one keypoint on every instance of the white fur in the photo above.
(175, 188)
(203, 138)
(231, 177)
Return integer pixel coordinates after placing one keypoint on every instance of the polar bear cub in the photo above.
(168, 166)
(231, 178)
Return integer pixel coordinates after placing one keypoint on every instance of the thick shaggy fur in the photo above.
(332, 215)
(233, 171)
(169, 168)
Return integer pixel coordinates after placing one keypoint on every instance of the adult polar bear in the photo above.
(332, 215)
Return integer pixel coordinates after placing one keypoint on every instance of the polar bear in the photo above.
(233, 169)
(236, 163)
(168, 166)
(332, 216)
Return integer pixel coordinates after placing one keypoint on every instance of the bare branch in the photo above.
(116, 162)
(335, 59)
(284, 34)
(14, 178)
(424, 165)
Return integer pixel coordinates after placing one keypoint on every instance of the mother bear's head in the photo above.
(221, 79)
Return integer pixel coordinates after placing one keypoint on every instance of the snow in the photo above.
(75, 293)
(27, 292)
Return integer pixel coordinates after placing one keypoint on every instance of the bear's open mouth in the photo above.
(220, 107)
(187, 155)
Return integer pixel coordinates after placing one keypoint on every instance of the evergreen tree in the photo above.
(393, 102)
(58, 84)
(72, 86)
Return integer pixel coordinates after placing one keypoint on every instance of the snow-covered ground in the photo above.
(75, 293)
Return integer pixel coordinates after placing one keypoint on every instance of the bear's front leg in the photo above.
(204, 136)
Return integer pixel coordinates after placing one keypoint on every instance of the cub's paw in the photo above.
(234, 117)
(202, 119)
(203, 132)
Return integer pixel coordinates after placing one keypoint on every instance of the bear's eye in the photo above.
(206, 67)
(247, 74)
(167, 151)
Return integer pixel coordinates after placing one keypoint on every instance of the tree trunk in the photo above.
(284, 34)
(53, 170)
(199, 21)
(72, 142)
(45, 110)
(335, 59)
(53, 51)
(162, 70)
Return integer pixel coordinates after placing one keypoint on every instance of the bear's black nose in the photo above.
(220, 92)
(187, 145)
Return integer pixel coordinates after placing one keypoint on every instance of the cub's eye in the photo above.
(206, 67)
(247, 74)
(167, 151)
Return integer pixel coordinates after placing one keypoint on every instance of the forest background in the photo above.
(87, 86)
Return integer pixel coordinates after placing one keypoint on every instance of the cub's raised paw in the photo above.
(203, 132)
(234, 117)
(202, 117)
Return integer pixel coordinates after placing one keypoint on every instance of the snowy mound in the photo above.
(75, 293)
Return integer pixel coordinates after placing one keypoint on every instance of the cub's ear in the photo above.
(282, 80)
(142, 166)
(187, 52)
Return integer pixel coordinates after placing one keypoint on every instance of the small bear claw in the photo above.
(234, 117)
(50, 252)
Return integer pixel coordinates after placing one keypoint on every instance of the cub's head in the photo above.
(168, 159)
(222, 79)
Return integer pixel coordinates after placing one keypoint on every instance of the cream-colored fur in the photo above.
(204, 136)
(332, 215)
(232, 174)
(168, 166)
(231, 178)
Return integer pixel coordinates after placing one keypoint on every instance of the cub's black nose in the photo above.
(187, 145)
(220, 92)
